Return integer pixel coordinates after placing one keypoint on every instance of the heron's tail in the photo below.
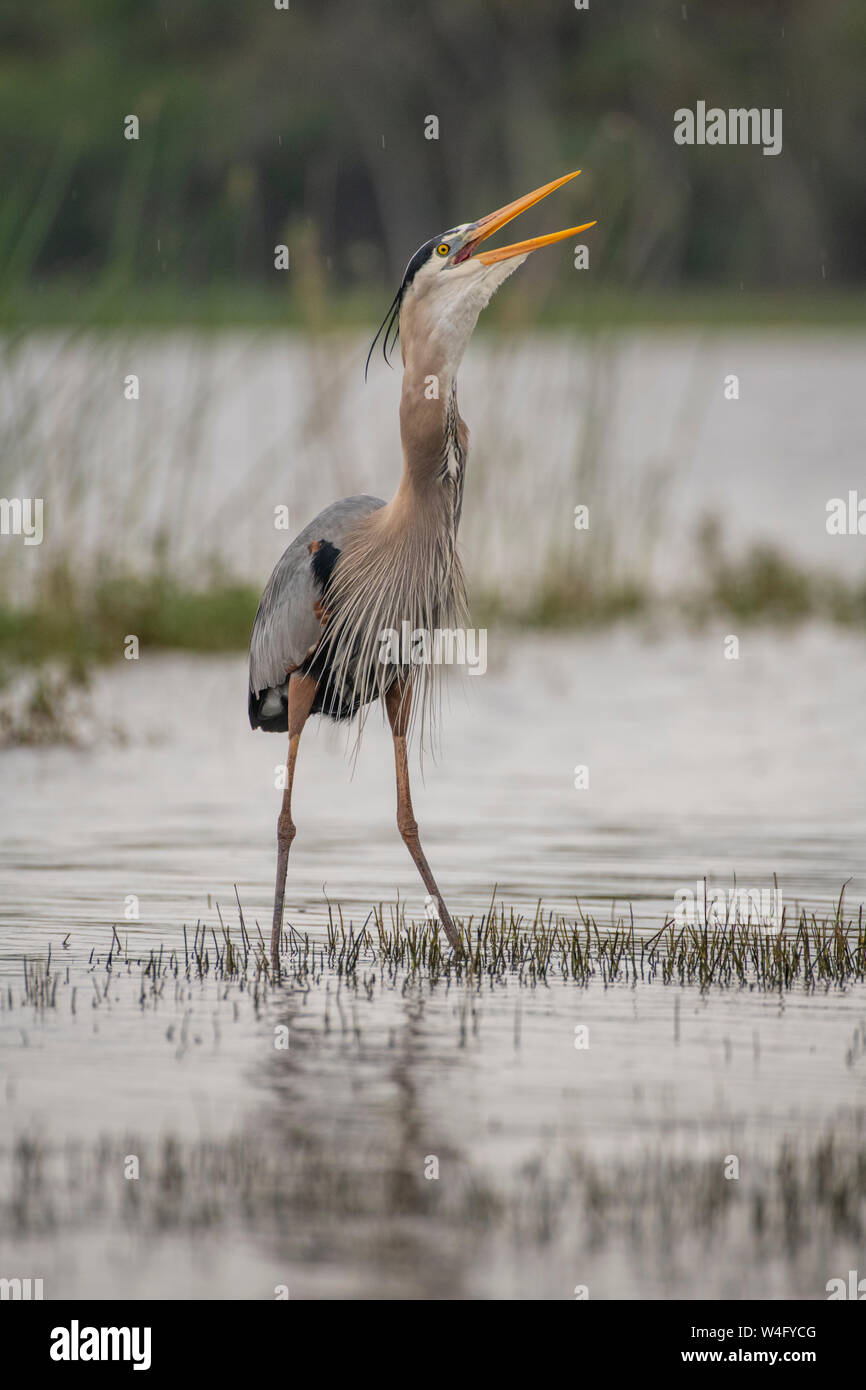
(269, 709)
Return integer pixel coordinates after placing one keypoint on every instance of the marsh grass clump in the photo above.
(86, 625)
(812, 953)
(764, 585)
(49, 705)
(501, 945)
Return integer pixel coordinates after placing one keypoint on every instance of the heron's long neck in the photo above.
(434, 436)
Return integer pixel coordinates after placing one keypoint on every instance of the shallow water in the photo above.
(697, 766)
(557, 1166)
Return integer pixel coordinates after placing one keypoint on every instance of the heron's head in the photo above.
(450, 279)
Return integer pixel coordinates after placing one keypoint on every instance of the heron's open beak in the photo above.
(494, 220)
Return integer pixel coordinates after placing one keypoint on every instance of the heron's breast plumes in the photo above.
(399, 573)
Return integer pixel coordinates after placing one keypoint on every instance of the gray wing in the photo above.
(288, 624)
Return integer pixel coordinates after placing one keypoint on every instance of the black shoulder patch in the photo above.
(324, 557)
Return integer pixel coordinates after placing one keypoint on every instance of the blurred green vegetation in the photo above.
(90, 624)
(306, 126)
(80, 625)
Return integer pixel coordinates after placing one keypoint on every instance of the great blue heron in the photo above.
(364, 567)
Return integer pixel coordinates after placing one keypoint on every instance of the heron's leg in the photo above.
(302, 692)
(398, 704)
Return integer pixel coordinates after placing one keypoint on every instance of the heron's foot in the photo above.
(447, 924)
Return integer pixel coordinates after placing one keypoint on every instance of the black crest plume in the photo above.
(391, 321)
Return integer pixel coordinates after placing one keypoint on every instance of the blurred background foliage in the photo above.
(306, 126)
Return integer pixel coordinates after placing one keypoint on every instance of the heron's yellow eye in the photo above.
(443, 249)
